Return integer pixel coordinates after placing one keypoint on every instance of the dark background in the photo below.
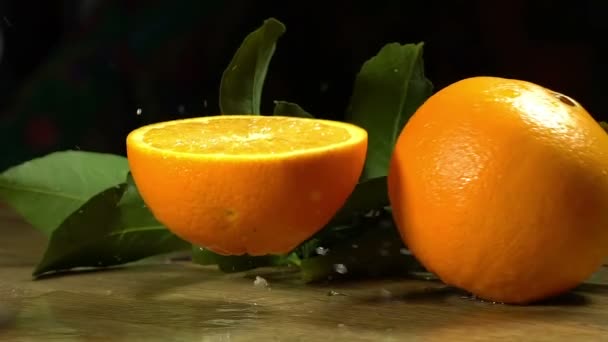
(74, 73)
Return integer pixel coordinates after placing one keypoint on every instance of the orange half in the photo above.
(246, 184)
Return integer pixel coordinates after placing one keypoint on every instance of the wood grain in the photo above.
(162, 301)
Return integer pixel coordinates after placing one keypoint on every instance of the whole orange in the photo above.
(250, 184)
(500, 188)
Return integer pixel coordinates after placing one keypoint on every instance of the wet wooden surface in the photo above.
(182, 302)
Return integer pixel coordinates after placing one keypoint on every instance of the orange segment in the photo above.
(246, 184)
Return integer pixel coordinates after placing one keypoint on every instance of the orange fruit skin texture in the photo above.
(246, 206)
(500, 188)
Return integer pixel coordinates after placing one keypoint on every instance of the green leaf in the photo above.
(388, 90)
(369, 194)
(243, 80)
(604, 125)
(113, 228)
(235, 263)
(284, 108)
(377, 251)
(46, 190)
(369, 197)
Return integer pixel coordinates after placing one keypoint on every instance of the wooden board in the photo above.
(163, 301)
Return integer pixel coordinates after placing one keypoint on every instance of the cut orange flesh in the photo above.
(243, 183)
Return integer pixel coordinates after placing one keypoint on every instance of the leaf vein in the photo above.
(43, 192)
(138, 229)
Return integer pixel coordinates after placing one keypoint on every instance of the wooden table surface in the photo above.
(161, 301)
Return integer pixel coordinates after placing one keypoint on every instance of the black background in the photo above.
(558, 44)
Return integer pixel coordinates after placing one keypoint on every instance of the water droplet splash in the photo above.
(340, 268)
(332, 293)
(386, 293)
(474, 298)
(322, 250)
(261, 282)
